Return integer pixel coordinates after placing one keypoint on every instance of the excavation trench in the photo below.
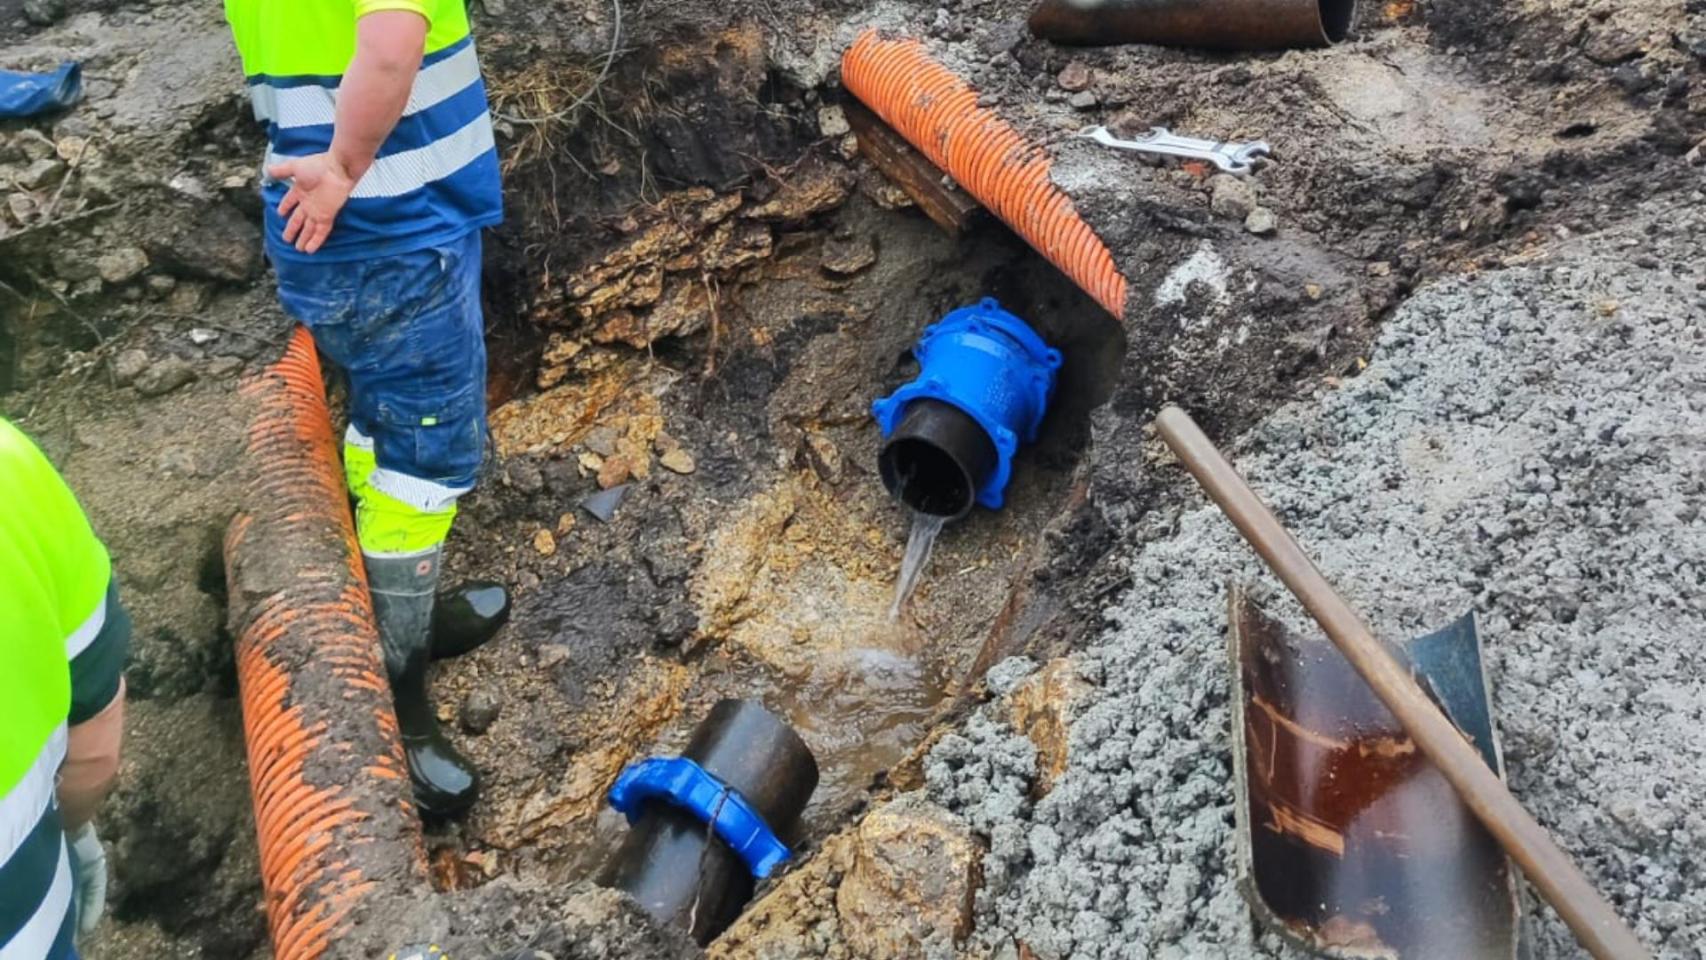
(697, 296)
(686, 491)
(767, 570)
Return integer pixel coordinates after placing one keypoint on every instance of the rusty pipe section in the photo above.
(333, 810)
(1213, 24)
(937, 113)
(1351, 842)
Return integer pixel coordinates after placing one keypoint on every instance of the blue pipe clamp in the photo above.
(680, 782)
(990, 365)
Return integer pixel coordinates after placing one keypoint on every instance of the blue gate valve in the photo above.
(983, 387)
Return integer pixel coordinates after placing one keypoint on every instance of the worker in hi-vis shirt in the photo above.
(380, 174)
(63, 642)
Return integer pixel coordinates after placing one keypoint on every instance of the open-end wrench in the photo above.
(1238, 159)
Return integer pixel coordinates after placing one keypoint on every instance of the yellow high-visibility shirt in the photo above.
(435, 177)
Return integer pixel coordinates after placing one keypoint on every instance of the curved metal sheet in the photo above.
(1352, 843)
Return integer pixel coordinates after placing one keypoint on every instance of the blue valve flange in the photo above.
(992, 366)
(680, 782)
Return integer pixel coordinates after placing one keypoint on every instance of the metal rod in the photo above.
(1547, 866)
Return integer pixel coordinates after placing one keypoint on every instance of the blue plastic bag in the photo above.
(27, 94)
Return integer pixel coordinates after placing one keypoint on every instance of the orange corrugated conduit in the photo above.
(333, 812)
(938, 113)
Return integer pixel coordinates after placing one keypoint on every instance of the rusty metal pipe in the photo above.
(1351, 843)
(1546, 865)
(1214, 24)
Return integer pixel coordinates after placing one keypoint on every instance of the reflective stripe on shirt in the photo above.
(36, 938)
(314, 104)
(31, 796)
(35, 875)
(84, 635)
(434, 179)
(405, 172)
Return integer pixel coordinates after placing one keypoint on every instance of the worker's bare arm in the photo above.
(91, 763)
(376, 87)
(371, 98)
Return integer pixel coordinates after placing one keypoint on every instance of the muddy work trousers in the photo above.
(408, 332)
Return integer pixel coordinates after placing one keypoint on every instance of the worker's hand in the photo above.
(319, 188)
(89, 871)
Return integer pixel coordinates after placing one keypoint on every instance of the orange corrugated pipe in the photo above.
(333, 808)
(937, 112)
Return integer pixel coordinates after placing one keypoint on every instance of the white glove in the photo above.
(89, 869)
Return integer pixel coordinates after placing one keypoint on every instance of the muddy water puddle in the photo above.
(860, 715)
(862, 700)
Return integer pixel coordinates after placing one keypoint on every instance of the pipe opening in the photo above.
(1336, 17)
(928, 479)
(937, 459)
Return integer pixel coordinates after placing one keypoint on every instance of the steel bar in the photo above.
(1546, 865)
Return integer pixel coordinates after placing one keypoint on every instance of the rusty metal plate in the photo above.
(1351, 843)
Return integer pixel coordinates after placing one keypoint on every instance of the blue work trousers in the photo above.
(409, 332)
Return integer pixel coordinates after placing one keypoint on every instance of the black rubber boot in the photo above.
(465, 617)
(446, 784)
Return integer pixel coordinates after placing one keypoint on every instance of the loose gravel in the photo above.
(1528, 442)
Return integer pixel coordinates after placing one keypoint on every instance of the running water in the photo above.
(925, 528)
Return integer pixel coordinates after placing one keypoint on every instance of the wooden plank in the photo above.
(951, 208)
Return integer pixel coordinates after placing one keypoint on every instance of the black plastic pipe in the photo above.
(671, 862)
(937, 459)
